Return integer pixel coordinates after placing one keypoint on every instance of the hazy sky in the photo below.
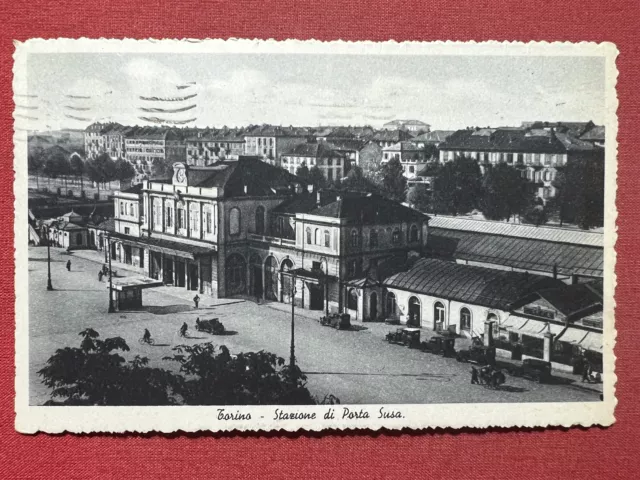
(447, 92)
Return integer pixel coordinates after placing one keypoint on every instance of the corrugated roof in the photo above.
(521, 253)
(469, 284)
(549, 234)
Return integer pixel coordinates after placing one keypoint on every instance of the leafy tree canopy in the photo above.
(504, 193)
(303, 171)
(457, 187)
(419, 196)
(123, 170)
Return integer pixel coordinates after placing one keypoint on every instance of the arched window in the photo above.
(494, 318)
(327, 239)
(352, 300)
(131, 209)
(413, 236)
(395, 238)
(373, 239)
(122, 208)
(235, 274)
(415, 316)
(260, 220)
(309, 235)
(465, 319)
(234, 221)
(316, 237)
(438, 312)
(390, 307)
(194, 218)
(354, 238)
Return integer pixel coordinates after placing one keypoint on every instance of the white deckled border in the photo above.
(31, 419)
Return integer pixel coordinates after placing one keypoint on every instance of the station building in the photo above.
(245, 227)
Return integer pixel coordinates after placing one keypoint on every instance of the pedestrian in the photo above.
(68, 265)
(99, 275)
(196, 300)
(474, 376)
(105, 269)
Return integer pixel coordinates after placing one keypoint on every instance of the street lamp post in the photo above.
(292, 359)
(111, 307)
(49, 285)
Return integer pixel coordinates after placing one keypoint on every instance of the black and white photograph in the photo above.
(261, 235)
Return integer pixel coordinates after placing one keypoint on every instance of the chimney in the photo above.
(319, 197)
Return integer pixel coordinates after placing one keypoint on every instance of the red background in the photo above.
(533, 454)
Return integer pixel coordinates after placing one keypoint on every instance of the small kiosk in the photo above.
(126, 293)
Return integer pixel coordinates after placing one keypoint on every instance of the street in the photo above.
(357, 366)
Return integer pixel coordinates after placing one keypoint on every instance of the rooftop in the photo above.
(513, 252)
(549, 234)
(468, 284)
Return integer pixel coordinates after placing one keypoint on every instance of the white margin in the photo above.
(31, 419)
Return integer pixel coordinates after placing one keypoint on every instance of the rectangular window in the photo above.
(207, 222)
(330, 174)
(127, 230)
(169, 217)
(180, 218)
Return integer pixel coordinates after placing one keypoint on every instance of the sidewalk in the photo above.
(124, 270)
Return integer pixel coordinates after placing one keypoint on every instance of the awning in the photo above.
(138, 281)
(535, 328)
(309, 275)
(573, 335)
(513, 323)
(593, 342)
(167, 247)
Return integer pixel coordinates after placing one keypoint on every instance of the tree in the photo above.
(392, 180)
(457, 187)
(96, 374)
(504, 193)
(214, 377)
(535, 214)
(303, 171)
(78, 169)
(123, 170)
(419, 196)
(56, 164)
(579, 194)
(316, 178)
(35, 165)
(356, 180)
(102, 169)
(159, 168)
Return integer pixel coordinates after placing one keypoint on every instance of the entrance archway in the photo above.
(414, 312)
(235, 274)
(79, 239)
(373, 306)
(316, 296)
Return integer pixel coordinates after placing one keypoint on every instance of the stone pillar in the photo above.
(548, 343)
(488, 333)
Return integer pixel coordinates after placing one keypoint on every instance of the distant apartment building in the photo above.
(113, 140)
(412, 157)
(146, 145)
(94, 140)
(268, 142)
(209, 146)
(408, 125)
(331, 163)
(386, 138)
(435, 138)
(538, 152)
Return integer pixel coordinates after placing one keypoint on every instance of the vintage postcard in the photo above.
(250, 235)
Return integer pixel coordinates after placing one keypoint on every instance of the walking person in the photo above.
(586, 370)
(99, 275)
(196, 300)
(68, 265)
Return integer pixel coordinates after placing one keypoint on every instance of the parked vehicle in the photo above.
(479, 354)
(440, 345)
(404, 336)
(534, 369)
(213, 326)
(339, 321)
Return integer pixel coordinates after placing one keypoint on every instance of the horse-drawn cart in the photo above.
(339, 321)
